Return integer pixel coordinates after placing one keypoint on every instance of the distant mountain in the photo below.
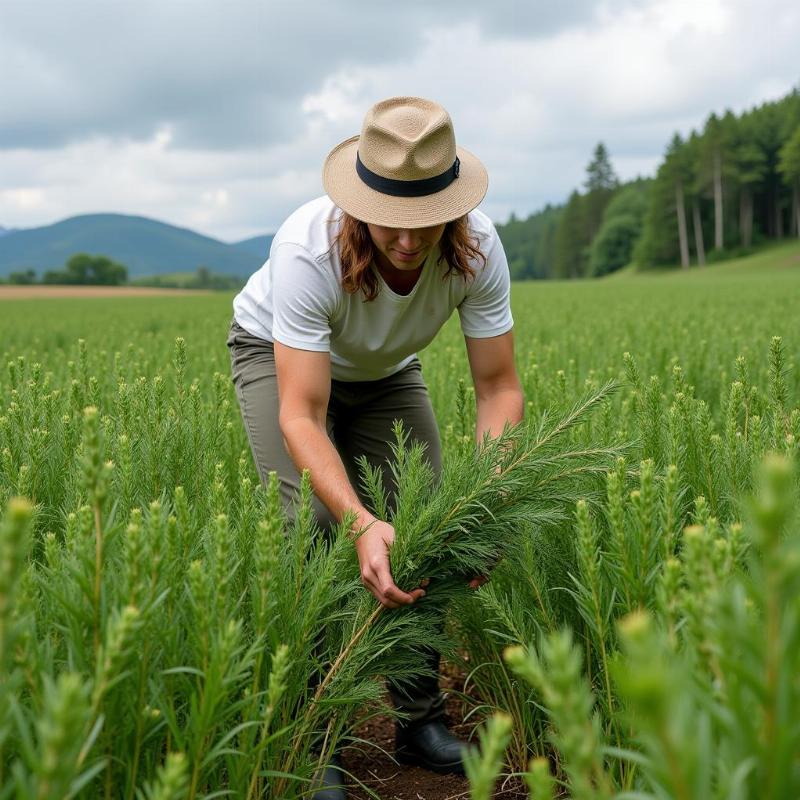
(258, 245)
(145, 246)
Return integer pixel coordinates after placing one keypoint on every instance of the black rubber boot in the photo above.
(430, 745)
(329, 782)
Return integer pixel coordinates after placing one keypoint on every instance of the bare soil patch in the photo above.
(392, 781)
(42, 292)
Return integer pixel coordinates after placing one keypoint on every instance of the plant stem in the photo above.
(137, 749)
(772, 667)
(98, 561)
(324, 684)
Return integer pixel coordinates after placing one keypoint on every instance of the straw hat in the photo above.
(405, 169)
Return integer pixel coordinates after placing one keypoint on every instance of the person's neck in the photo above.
(400, 281)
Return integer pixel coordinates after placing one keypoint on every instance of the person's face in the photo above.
(404, 248)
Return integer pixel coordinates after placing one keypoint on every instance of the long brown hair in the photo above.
(356, 252)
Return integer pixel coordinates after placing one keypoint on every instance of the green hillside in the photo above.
(145, 246)
(769, 259)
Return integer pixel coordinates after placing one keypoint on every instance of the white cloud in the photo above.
(222, 121)
(23, 199)
(533, 109)
(334, 101)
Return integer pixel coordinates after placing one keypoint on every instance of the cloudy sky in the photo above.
(216, 115)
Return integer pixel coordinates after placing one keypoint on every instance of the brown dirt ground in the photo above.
(36, 292)
(392, 781)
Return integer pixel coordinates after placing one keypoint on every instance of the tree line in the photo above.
(718, 193)
(84, 269)
(722, 190)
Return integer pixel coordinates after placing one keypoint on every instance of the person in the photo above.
(324, 339)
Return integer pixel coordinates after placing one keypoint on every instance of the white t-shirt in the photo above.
(296, 298)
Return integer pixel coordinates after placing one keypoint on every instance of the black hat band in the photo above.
(398, 188)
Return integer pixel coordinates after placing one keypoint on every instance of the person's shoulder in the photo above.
(480, 224)
(482, 229)
(312, 226)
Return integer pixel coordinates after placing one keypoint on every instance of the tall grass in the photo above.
(709, 707)
(160, 618)
(178, 642)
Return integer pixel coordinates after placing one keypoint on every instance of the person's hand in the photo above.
(372, 548)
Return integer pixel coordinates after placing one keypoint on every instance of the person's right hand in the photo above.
(372, 548)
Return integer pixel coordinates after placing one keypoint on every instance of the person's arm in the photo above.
(487, 324)
(304, 383)
(498, 393)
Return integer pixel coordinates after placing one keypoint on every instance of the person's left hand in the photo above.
(477, 581)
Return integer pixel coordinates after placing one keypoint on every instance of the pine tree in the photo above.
(789, 167)
(751, 166)
(772, 129)
(658, 243)
(600, 174)
(601, 182)
(714, 167)
(692, 147)
(570, 245)
(623, 218)
(678, 173)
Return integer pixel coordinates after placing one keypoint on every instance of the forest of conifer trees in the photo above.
(718, 193)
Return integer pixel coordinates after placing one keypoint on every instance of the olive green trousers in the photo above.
(359, 422)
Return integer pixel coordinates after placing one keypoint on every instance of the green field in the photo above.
(148, 645)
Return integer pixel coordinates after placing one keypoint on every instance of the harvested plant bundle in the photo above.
(446, 531)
